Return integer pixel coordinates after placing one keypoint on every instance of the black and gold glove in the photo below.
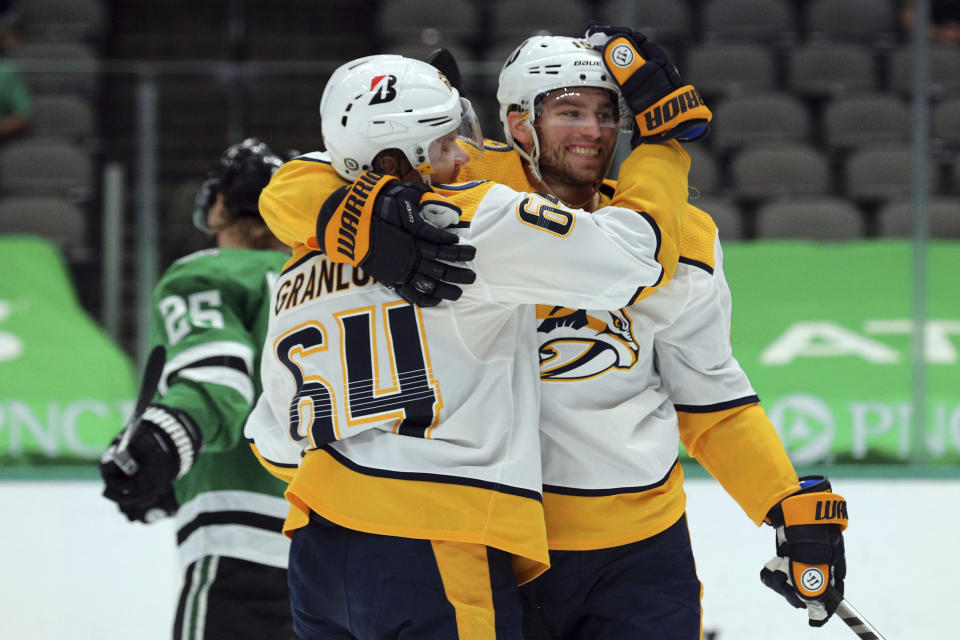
(810, 565)
(664, 107)
(393, 230)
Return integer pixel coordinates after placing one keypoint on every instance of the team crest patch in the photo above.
(576, 344)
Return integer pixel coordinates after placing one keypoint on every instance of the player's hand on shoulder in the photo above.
(664, 107)
(810, 564)
(395, 231)
(164, 444)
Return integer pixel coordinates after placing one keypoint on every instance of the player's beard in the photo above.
(556, 167)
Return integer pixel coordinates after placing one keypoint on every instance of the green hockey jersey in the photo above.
(210, 311)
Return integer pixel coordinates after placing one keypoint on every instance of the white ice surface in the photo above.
(74, 569)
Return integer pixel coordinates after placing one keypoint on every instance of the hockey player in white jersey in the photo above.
(622, 388)
(210, 313)
(410, 435)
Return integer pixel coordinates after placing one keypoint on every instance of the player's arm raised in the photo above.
(311, 208)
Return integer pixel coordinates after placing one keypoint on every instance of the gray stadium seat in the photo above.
(770, 171)
(424, 20)
(54, 218)
(944, 70)
(660, 20)
(759, 117)
(815, 218)
(725, 214)
(831, 69)
(943, 215)
(704, 173)
(514, 21)
(882, 173)
(62, 116)
(730, 68)
(946, 122)
(59, 20)
(45, 166)
(58, 67)
(863, 20)
(752, 20)
(866, 120)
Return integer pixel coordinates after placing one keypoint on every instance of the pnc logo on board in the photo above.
(806, 425)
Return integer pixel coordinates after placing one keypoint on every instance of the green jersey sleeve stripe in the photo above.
(193, 355)
(223, 376)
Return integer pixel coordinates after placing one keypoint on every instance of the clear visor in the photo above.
(469, 128)
(202, 202)
(582, 107)
(445, 155)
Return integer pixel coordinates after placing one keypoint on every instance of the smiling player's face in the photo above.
(577, 128)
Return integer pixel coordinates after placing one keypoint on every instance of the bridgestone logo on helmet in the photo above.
(384, 87)
(622, 55)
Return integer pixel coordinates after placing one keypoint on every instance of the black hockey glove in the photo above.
(809, 567)
(164, 444)
(664, 108)
(394, 231)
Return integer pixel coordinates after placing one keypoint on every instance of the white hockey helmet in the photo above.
(540, 65)
(390, 102)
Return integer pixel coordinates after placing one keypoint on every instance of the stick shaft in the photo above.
(148, 388)
(857, 623)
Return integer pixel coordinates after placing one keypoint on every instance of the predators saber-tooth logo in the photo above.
(576, 344)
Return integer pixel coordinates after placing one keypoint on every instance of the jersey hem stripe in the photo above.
(720, 406)
(571, 491)
(431, 477)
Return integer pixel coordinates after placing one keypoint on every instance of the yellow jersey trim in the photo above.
(741, 449)
(422, 509)
(580, 523)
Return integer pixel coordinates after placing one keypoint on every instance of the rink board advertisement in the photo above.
(65, 388)
(823, 330)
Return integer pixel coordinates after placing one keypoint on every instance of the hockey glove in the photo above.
(164, 444)
(664, 108)
(810, 566)
(394, 231)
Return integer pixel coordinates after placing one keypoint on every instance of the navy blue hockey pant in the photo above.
(646, 590)
(347, 584)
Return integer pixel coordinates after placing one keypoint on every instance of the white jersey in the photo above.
(622, 389)
(417, 422)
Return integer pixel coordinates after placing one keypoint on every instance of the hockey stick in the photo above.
(444, 61)
(857, 623)
(148, 387)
